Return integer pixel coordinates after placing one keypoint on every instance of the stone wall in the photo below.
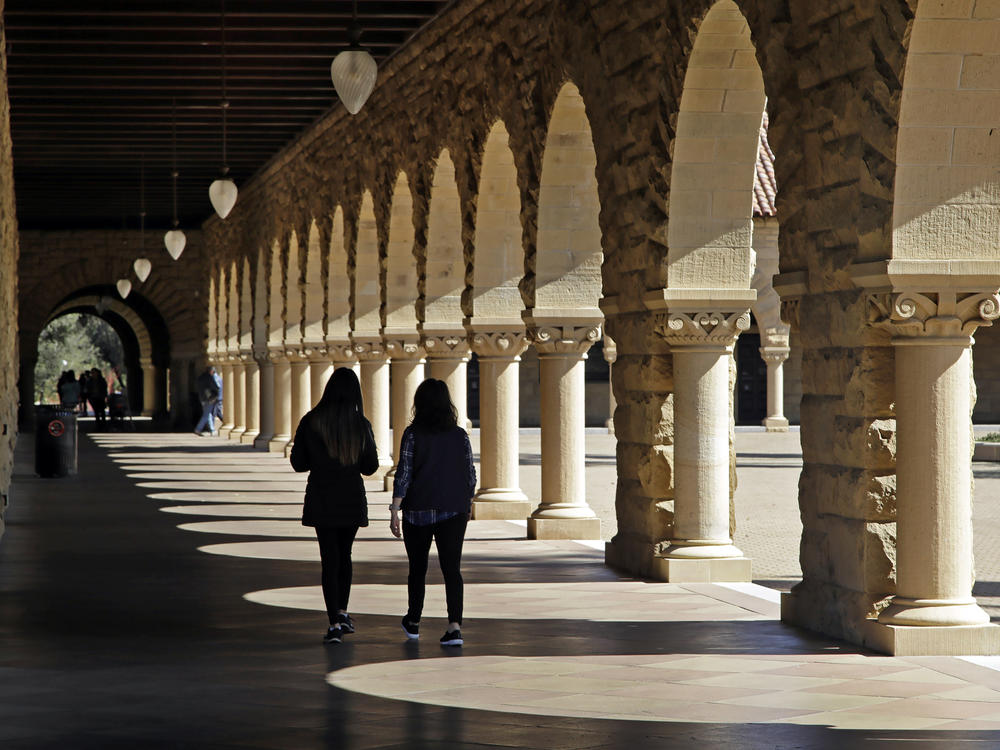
(8, 291)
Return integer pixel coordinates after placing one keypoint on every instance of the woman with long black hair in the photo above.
(434, 484)
(334, 443)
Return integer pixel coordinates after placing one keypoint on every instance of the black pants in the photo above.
(335, 552)
(448, 536)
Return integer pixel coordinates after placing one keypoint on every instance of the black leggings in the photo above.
(335, 552)
(448, 535)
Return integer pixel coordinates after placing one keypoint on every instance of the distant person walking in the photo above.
(335, 444)
(208, 395)
(69, 390)
(435, 481)
(84, 377)
(97, 393)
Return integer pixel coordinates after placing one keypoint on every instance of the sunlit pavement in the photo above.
(168, 597)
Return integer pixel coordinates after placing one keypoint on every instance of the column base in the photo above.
(925, 613)
(249, 438)
(387, 478)
(702, 570)
(380, 474)
(288, 449)
(955, 640)
(610, 424)
(236, 434)
(564, 528)
(261, 442)
(775, 424)
(277, 443)
(224, 432)
(486, 509)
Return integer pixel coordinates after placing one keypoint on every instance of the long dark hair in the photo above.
(339, 417)
(433, 410)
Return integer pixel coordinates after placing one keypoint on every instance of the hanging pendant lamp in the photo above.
(124, 286)
(174, 240)
(354, 70)
(142, 266)
(222, 193)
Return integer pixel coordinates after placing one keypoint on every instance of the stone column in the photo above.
(499, 495)
(775, 357)
(563, 512)
(407, 368)
(282, 403)
(447, 360)
(265, 400)
(700, 548)
(239, 401)
(148, 387)
(227, 399)
(375, 391)
(610, 355)
(933, 611)
(300, 400)
(251, 392)
(320, 370)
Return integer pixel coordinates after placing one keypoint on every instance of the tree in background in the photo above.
(74, 342)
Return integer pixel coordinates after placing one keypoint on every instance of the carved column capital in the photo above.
(949, 314)
(277, 353)
(774, 355)
(568, 339)
(508, 344)
(369, 350)
(610, 349)
(790, 313)
(446, 345)
(404, 348)
(701, 328)
(339, 350)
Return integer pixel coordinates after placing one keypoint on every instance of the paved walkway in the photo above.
(167, 597)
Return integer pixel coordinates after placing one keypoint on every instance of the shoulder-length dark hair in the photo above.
(339, 417)
(433, 410)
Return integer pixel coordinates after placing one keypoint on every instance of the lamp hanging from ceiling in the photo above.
(174, 240)
(222, 193)
(142, 266)
(124, 286)
(354, 70)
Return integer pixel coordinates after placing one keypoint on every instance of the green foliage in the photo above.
(989, 437)
(74, 342)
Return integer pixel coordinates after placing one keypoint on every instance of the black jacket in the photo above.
(335, 494)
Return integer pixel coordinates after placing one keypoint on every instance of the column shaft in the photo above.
(282, 406)
(375, 391)
(227, 400)
(407, 374)
(251, 392)
(775, 359)
(148, 388)
(239, 402)
(301, 393)
(453, 372)
(266, 404)
(319, 374)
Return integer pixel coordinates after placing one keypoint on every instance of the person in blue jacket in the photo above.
(434, 484)
(334, 443)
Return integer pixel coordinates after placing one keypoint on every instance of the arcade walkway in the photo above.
(123, 626)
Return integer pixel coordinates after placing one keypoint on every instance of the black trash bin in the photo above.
(55, 441)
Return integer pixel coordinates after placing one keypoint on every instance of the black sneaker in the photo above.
(345, 622)
(333, 635)
(412, 629)
(452, 638)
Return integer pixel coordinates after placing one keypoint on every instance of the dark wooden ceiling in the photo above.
(93, 82)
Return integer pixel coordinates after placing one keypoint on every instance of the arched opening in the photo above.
(401, 271)
(366, 294)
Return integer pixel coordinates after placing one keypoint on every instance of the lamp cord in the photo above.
(225, 103)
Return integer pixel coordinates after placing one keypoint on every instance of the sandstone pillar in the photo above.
(447, 360)
(266, 401)
(375, 392)
(251, 393)
(239, 401)
(227, 399)
(499, 495)
(300, 398)
(563, 512)
(610, 355)
(282, 400)
(933, 611)
(148, 386)
(407, 368)
(775, 357)
(700, 548)
(320, 370)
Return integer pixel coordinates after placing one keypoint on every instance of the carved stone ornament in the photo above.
(564, 339)
(704, 328)
(368, 351)
(790, 313)
(341, 352)
(610, 350)
(404, 348)
(944, 314)
(297, 354)
(507, 344)
(773, 355)
(446, 346)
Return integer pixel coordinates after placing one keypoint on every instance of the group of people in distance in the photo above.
(91, 386)
(431, 498)
(209, 385)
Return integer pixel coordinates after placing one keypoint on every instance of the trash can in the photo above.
(55, 441)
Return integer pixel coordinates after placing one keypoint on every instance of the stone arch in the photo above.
(444, 269)
(246, 307)
(499, 258)
(296, 240)
(367, 295)
(338, 281)
(233, 310)
(710, 224)
(400, 263)
(567, 264)
(276, 298)
(261, 302)
(313, 323)
(213, 314)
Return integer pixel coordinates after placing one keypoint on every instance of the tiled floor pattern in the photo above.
(256, 495)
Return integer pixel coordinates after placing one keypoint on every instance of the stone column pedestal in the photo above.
(375, 392)
(701, 548)
(282, 399)
(251, 390)
(563, 512)
(407, 369)
(933, 611)
(775, 357)
(447, 360)
(239, 401)
(499, 496)
(226, 370)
